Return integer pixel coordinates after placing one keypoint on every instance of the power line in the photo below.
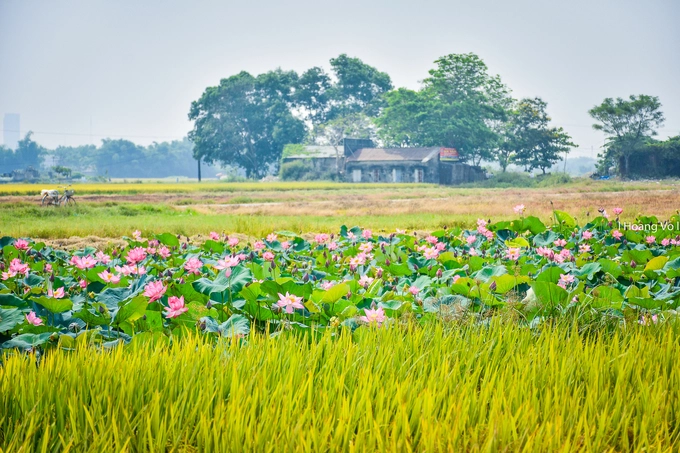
(95, 135)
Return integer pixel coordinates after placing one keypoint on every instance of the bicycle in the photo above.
(52, 198)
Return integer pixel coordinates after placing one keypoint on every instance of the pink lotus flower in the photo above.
(108, 277)
(439, 246)
(366, 247)
(322, 238)
(17, 267)
(289, 302)
(519, 209)
(271, 237)
(646, 320)
(137, 235)
(126, 270)
(176, 307)
(473, 252)
(666, 242)
(358, 260)
(242, 257)
(431, 253)
(57, 293)
(431, 239)
(214, 236)
(488, 234)
(557, 257)
(560, 243)
(513, 254)
(566, 253)
(285, 245)
(565, 279)
(154, 243)
(583, 248)
(259, 245)
(86, 262)
(164, 252)
(376, 316)
(102, 257)
(617, 234)
(327, 285)
(136, 255)
(618, 211)
(351, 236)
(587, 235)
(365, 280)
(545, 252)
(82, 283)
(21, 244)
(333, 246)
(193, 265)
(455, 278)
(481, 223)
(413, 290)
(154, 290)
(232, 242)
(227, 262)
(367, 234)
(650, 240)
(151, 250)
(471, 239)
(268, 256)
(33, 319)
(48, 268)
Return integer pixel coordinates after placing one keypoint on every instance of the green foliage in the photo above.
(627, 124)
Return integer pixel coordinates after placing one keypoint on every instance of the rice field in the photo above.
(407, 388)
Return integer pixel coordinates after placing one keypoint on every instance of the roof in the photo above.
(315, 152)
(393, 154)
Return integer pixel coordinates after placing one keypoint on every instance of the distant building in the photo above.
(359, 161)
(10, 126)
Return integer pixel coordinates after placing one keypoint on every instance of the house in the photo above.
(358, 160)
(323, 159)
(435, 165)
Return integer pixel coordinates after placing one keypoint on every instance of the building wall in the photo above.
(397, 171)
(451, 173)
(319, 164)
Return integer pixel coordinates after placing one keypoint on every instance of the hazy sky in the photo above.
(130, 68)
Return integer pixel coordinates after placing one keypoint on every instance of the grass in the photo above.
(406, 388)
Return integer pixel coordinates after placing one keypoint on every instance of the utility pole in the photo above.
(199, 168)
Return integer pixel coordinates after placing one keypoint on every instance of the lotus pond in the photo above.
(165, 287)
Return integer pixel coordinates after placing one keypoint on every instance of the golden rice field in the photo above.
(434, 388)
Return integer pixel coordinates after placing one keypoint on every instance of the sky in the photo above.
(78, 71)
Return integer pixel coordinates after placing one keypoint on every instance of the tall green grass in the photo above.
(438, 388)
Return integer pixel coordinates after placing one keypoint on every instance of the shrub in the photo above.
(295, 171)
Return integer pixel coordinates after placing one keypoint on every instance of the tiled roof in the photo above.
(393, 154)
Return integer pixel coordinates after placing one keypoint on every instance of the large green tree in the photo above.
(460, 105)
(245, 121)
(627, 123)
(527, 138)
(29, 153)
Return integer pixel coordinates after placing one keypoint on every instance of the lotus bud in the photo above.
(439, 273)
(415, 267)
(305, 278)
(332, 236)
(209, 305)
(429, 268)
(493, 286)
(201, 325)
(52, 278)
(101, 309)
(144, 318)
(387, 262)
(184, 245)
(379, 273)
(2, 266)
(633, 264)
(349, 294)
(625, 242)
(181, 281)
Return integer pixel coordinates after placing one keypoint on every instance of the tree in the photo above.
(313, 95)
(29, 153)
(628, 124)
(122, 158)
(245, 121)
(459, 106)
(358, 87)
(528, 140)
